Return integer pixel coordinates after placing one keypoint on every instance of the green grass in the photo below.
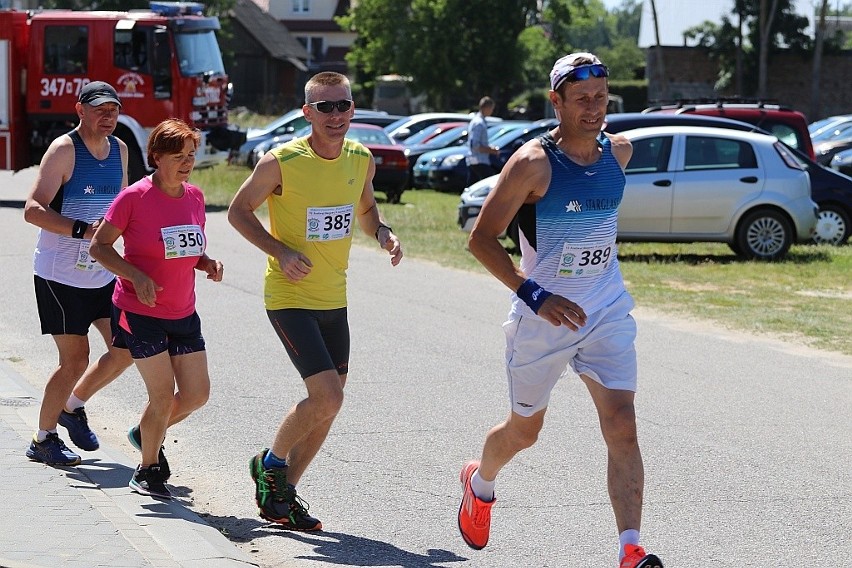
(807, 298)
(219, 183)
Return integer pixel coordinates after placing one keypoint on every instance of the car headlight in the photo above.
(452, 160)
(481, 192)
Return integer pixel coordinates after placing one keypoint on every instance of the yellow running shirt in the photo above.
(315, 215)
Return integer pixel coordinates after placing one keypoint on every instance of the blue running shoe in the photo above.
(52, 451)
(78, 429)
(134, 435)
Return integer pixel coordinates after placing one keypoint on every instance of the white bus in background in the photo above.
(392, 94)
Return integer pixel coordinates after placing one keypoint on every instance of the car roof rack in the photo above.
(719, 102)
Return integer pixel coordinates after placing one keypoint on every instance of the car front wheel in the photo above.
(764, 235)
(833, 225)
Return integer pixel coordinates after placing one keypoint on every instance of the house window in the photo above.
(314, 47)
(301, 5)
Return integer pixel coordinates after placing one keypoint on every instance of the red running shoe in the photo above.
(474, 513)
(635, 557)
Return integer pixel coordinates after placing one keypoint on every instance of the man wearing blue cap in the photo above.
(570, 307)
(79, 177)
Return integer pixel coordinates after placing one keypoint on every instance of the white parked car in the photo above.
(690, 184)
(409, 125)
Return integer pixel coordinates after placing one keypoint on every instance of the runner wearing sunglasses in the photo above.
(315, 187)
(570, 308)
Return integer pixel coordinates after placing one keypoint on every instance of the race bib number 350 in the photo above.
(579, 262)
(329, 223)
(183, 240)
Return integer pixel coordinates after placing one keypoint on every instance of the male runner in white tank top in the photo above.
(79, 177)
(570, 307)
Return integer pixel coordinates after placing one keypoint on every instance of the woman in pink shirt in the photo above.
(161, 220)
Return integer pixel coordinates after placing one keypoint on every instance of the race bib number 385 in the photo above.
(182, 240)
(329, 223)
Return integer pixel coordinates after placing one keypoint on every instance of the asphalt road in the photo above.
(747, 441)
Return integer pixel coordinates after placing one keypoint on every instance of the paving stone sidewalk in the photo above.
(86, 516)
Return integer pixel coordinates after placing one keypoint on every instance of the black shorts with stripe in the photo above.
(68, 310)
(315, 340)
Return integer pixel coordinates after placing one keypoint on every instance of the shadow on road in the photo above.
(332, 547)
(350, 550)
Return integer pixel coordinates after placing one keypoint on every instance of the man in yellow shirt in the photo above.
(315, 188)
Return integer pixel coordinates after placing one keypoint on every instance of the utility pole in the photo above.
(766, 20)
(738, 74)
(658, 48)
(816, 71)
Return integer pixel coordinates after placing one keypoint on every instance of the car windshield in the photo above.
(513, 135)
(417, 137)
(396, 124)
(446, 138)
(502, 128)
(369, 135)
(818, 127)
(839, 132)
(281, 120)
(359, 134)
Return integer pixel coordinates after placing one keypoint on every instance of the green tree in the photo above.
(722, 41)
(455, 50)
(585, 25)
(458, 50)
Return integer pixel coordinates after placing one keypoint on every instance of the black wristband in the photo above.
(380, 226)
(79, 229)
(532, 294)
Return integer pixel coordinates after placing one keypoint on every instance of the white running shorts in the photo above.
(539, 353)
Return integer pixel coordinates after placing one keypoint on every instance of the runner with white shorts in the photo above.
(570, 309)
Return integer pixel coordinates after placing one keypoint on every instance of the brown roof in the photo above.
(270, 33)
(342, 8)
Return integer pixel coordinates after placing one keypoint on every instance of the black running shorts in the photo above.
(315, 340)
(146, 336)
(68, 310)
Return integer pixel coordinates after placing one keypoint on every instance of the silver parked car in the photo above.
(690, 183)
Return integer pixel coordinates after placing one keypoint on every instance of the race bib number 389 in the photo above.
(329, 223)
(585, 261)
(182, 240)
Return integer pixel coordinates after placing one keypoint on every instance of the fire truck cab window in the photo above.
(66, 50)
(131, 50)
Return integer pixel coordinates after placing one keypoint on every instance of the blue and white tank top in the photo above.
(568, 237)
(87, 195)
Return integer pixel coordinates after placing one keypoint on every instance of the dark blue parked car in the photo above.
(447, 170)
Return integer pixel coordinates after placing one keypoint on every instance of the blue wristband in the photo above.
(532, 294)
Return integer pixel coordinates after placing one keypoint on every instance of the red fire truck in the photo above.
(163, 62)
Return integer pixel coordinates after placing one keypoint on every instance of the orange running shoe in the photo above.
(635, 557)
(474, 513)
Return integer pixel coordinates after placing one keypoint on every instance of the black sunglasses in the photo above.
(326, 107)
(584, 72)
